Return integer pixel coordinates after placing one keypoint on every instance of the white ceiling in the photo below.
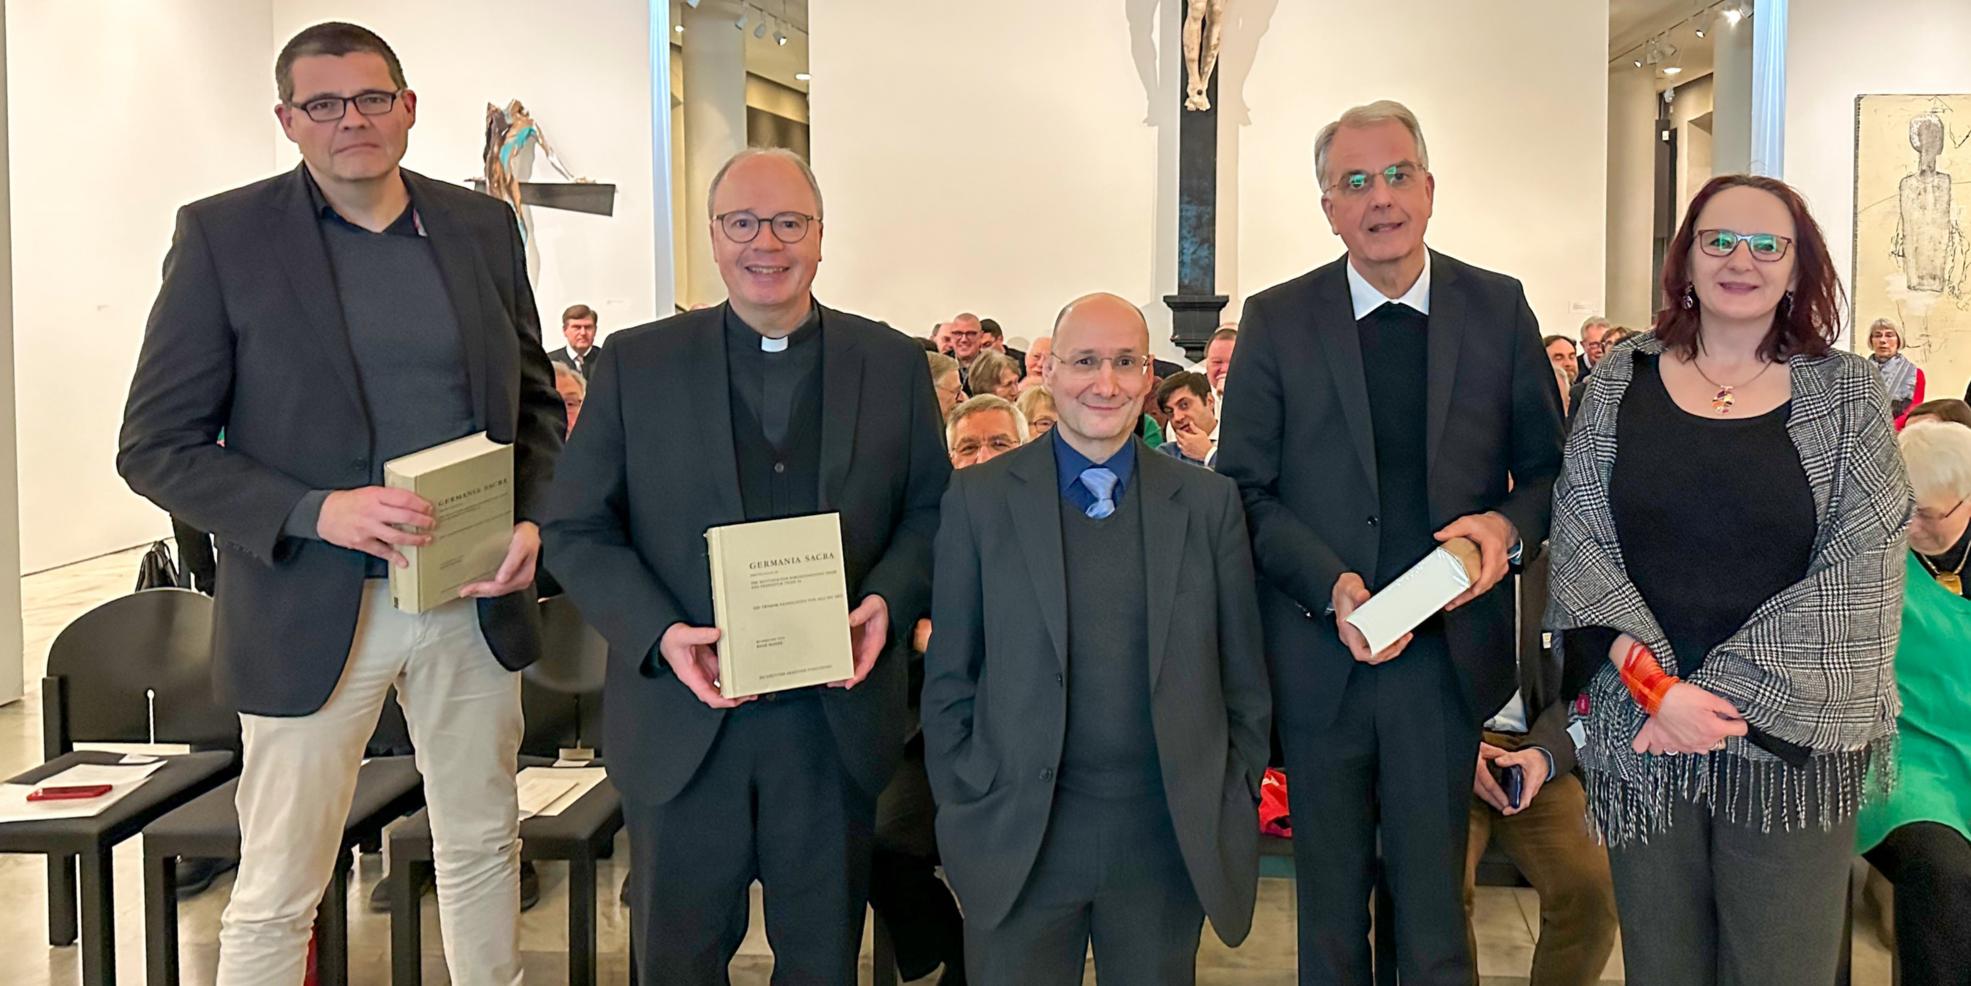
(1632, 23)
(764, 58)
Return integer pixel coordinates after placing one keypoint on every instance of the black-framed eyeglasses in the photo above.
(1397, 176)
(1936, 518)
(1767, 247)
(328, 109)
(744, 226)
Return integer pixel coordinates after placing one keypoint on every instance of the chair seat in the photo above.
(183, 778)
(387, 788)
(582, 830)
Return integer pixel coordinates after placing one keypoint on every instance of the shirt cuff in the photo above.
(302, 521)
(1550, 761)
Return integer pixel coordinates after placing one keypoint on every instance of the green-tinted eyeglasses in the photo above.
(1768, 247)
(1397, 176)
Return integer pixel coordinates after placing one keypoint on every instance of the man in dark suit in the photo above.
(413, 295)
(1339, 426)
(1594, 345)
(1542, 833)
(800, 409)
(1097, 769)
(578, 327)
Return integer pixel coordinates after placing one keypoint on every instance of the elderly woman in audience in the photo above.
(995, 373)
(945, 380)
(1728, 543)
(1943, 409)
(1037, 403)
(1920, 838)
(1904, 380)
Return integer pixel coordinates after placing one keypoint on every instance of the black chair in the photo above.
(387, 788)
(132, 670)
(557, 693)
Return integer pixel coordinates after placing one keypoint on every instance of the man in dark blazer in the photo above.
(578, 327)
(325, 321)
(799, 409)
(1382, 404)
(1097, 769)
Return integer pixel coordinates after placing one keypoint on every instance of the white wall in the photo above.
(1838, 50)
(118, 113)
(1520, 156)
(1632, 101)
(1030, 156)
(11, 642)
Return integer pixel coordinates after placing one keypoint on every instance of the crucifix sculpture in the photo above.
(1196, 306)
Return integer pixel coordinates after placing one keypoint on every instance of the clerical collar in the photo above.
(1367, 297)
(806, 333)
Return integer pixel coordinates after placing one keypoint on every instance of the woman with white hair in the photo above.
(1899, 375)
(1920, 837)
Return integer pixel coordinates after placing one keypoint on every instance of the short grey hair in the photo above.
(563, 371)
(780, 153)
(993, 402)
(1592, 321)
(1938, 454)
(1380, 111)
(940, 365)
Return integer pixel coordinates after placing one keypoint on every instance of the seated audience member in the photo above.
(1562, 354)
(1610, 338)
(946, 381)
(1594, 344)
(1037, 404)
(1193, 416)
(964, 340)
(1546, 836)
(1903, 380)
(994, 373)
(1920, 836)
(1218, 357)
(578, 327)
(982, 428)
(1943, 409)
(1036, 361)
(995, 340)
(573, 388)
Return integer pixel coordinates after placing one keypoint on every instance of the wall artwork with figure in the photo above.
(1912, 154)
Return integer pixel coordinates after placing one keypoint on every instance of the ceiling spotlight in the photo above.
(1673, 70)
(760, 31)
(678, 28)
(741, 22)
(779, 37)
(1700, 31)
(693, 4)
(1639, 63)
(1733, 15)
(802, 77)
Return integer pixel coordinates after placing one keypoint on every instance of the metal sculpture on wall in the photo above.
(1911, 254)
(1203, 29)
(509, 132)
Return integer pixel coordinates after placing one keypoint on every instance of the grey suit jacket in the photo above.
(246, 338)
(995, 709)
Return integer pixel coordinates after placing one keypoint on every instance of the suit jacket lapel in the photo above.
(462, 269)
(1035, 502)
(297, 242)
(1165, 525)
(1334, 326)
(841, 395)
(708, 388)
(1447, 316)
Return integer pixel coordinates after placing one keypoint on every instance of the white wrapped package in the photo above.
(1417, 594)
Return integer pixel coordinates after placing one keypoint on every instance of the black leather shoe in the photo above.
(380, 894)
(530, 885)
(195, 875)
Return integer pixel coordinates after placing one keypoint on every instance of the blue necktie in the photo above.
(1102, 483)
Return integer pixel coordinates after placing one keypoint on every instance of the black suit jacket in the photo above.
(247, 338)
(1296, 435)
(641, 482)
(995, 709)
(567, 359)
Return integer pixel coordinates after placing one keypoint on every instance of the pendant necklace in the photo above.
(1952, 581)
(1723, 400)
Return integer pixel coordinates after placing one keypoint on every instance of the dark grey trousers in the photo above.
(1110, 873)
(1712, 903)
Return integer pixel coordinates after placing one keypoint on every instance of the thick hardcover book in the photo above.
(469, 483)
(781, 602)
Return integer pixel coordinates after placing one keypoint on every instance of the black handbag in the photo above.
(159, 570)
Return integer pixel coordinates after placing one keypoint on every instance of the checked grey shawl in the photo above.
(1813, 665)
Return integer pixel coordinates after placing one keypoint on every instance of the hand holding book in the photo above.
(516, 571)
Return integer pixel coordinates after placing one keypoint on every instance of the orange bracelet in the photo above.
(1645, 678)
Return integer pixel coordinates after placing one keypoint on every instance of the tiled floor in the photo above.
(1506, 918)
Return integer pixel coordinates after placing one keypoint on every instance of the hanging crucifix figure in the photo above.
(1203, 20)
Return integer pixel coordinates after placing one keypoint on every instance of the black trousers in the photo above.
(1708, 902)
(1930, 864)
(1396, 763)
(771, 803)
(904, 888)
(1109, 874)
